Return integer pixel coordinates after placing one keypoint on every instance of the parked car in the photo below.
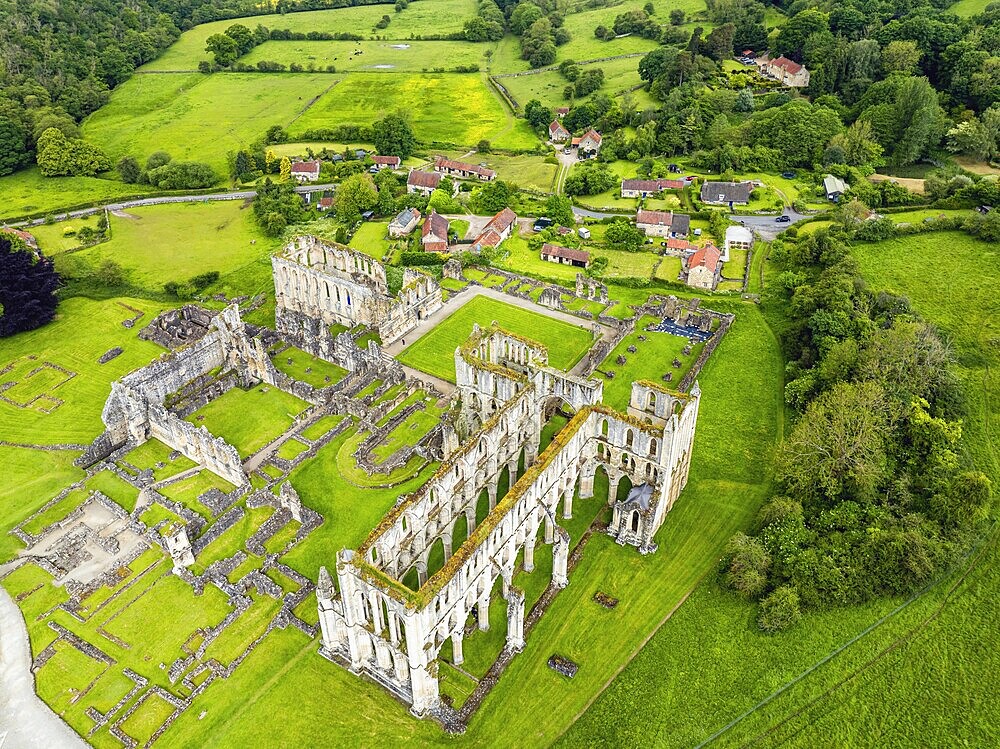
(542, 223)
(783, 219)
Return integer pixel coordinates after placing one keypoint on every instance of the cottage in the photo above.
(386, 162)
(737, 238)
(643, 188)
(589, 142)
(305, 171)
(678, 246)
(463, 170)
(726, 193)
(704, 268)
(434, 235)
(834, 187)
(562, 111)
(325, 202)
(557, 133)
(784, 70)
(28, 239)
(553, 253)
(663, 223)
(496, 231)
(404, 223)
(422, 182)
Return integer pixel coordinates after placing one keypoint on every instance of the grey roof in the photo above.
(834, 184)
(405, 217)
(726, 192)
(640, 495)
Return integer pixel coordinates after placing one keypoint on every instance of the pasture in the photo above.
(448, 107)
(27, 192)
(434, 352)
(548, 86)
(199, 117)
(388, 55)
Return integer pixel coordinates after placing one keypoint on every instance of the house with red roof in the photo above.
(589, 142)
(434, 235)
(643, 188)
(463, 170)
(305, 171)
(496, 230)
(663, 223)
(28, 239)
(386, 162)
(558, 133)
(704, 268)
(422, 182)
(553, 253)
(784, 70)
(562, 111)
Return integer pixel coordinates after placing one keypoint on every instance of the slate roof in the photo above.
(726, 192)
(554, 250)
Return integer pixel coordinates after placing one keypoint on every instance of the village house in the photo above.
(463, 170)
(496, 231)
(553, 253)
(737, 238)
(557, 133)
(726, 193)
(589, 142)
(404, 223)
(643, 188)
(663, 223)
(704, 268)
(784, 70)
(422, 182)
(28, 239)
(434, 235)
(325, 201)
(305, 171)
(679, 246)
(834, 187)
(386, 162)
(562, 112)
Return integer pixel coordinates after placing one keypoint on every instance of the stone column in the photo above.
(483, 612)
(529, 555)
(456, 648)
(560, 557)
(515, 620)
(613, 482)
(549, 526)
(568, 503)
(491, 490)
(512, 470)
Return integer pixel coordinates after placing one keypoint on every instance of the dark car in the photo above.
(783, 219)
(541, 224)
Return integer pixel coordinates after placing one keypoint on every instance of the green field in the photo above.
(967, 8)
(434, 352)
(176, 241)
(388, 55)
(249, 419)
(447, 107)
(420, 18)
(28, 192)
(197, 117)
(548, 85)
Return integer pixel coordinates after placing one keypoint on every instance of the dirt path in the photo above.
(25, 721)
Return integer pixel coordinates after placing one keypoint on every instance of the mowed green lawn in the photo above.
(391, 54)
(197, 117)
(28, 192)
(420, 18)
(173, 242)
(249, 419)
(445, 107)
(434, 352)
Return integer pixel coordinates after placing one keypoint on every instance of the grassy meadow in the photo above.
(388, 55)
(29, 193)
(548, 86)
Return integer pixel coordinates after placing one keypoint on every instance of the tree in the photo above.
(901, 56)
(677, 17)
(746, 564)
(621, 235)
(719, 42)
(791, 39)
(393, 136)
(243, 37)
(523, 16)
(129, 170)
(780, 610)
(28, 283)
(744, 101)
(922, 120)
(223, 48)
(285, 169)
(483, 146)
(560, 210)
(354, 196)
(15, 138)
(494, 196)
(538, 115)
(860, 147)
(157, 159)
(59, 156)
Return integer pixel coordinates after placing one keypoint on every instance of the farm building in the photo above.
(737, 238)
(834, 187)
(305, 171)
(784, 70)
(663, 223)
(434, 235)
(643, 188)
(726, 193)
(497, 230)
(704, 268)
(557, 133)
(423, 182)
(553, 253)
(387, 162)
(404, 223)
(463, 170)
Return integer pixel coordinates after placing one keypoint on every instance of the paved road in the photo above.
(25, 721)
(125, 204)
(766, 226)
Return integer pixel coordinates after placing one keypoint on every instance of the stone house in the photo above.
(325, 201)
(28, 239)
(663, 223)
(404, 223)
(558, 133)
(562, 112)
(704, 268)
(553, 253)
(786, 71)
(305, 171)
(589, 142)
(643, 188)
(463, 170)
(737, 238)
(726, 193)
(422, 182)
(386, 162)
(497, 230)
(434, 235)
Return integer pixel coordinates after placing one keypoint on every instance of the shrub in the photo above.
(780, 610)
(746, 563)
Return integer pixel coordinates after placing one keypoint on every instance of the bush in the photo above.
(418, 257)
(780, 610)
(746, 563)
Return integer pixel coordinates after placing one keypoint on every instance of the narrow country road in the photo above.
(125, 204)
(25, 721)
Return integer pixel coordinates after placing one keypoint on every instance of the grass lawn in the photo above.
(152, 452)
(147, 718)
(371, 238)
(28, 192)
(528, 171)
(548, 86)
(199, 117)
(174, 242)
(249, 419)
(384, 56)
(449, 108)
(434, 352)
(62, 235)
(187, 491)
(294, 362)
(966, 8)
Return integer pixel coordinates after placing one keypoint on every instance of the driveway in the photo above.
(766, 226)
